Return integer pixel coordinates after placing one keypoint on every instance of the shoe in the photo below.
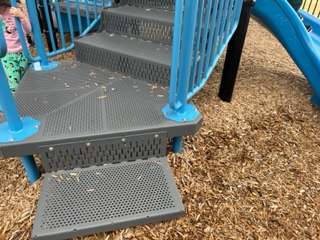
(308, 27)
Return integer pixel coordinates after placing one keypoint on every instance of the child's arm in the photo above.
(20, 13)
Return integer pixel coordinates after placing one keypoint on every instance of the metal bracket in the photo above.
(30, 127)
(190, 114)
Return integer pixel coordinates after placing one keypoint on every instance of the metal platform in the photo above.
(106, 198)
(78, 103)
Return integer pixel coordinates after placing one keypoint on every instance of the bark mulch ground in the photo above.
(251, 172)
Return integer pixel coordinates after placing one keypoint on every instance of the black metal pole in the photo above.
(45, 28)
(234, 52)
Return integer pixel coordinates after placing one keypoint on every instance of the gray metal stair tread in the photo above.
(77, 101)
(144, 13)
(82, 8)
(123, 45)
(105, 198)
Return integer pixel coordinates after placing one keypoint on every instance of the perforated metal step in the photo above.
(164, 4)
(149, 24)
(140, 59)
(100, 199)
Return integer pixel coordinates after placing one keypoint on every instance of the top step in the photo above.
(163, 4)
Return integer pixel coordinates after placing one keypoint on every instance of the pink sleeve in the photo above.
(25, 22)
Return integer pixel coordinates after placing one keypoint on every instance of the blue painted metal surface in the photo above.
(177, 144)
(30, 167)
(303, 47)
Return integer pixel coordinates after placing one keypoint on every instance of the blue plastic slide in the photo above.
(303, 47)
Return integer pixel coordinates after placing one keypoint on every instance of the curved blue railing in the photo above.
(202, 30)
(54, 8)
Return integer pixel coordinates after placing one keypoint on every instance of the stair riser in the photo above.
(82, 154)
(146, 29)
(126, 65)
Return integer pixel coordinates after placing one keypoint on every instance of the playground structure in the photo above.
(53, 150)
(290, 31)
(101, 123)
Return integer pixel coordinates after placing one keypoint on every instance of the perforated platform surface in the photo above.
(78, 102)
(100, 199)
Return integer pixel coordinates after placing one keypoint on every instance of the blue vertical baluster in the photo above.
(177, 144)
(31, 168)
(189, 24)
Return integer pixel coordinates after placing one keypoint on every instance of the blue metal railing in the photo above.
(202, 30)
(205, 27)
(90, 10)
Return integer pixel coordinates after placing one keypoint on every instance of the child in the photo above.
(14, 63)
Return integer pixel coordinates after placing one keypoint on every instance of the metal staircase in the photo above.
(101, 123)
(102, 138)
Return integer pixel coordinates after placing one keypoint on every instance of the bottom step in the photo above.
(105, 198)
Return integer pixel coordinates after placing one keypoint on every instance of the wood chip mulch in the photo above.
(251, 172)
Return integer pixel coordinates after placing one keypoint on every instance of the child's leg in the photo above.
(23, 64)
(14, 65)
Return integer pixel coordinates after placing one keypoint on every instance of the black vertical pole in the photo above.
(39, 16)
(234, 52)
(45, 28)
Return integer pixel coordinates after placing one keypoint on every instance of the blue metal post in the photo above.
(37, 33)
(175, 54)
(189, 22)
(6, 99)
(14, 123)
(177, 144)
(178, 108)
(31, 168)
